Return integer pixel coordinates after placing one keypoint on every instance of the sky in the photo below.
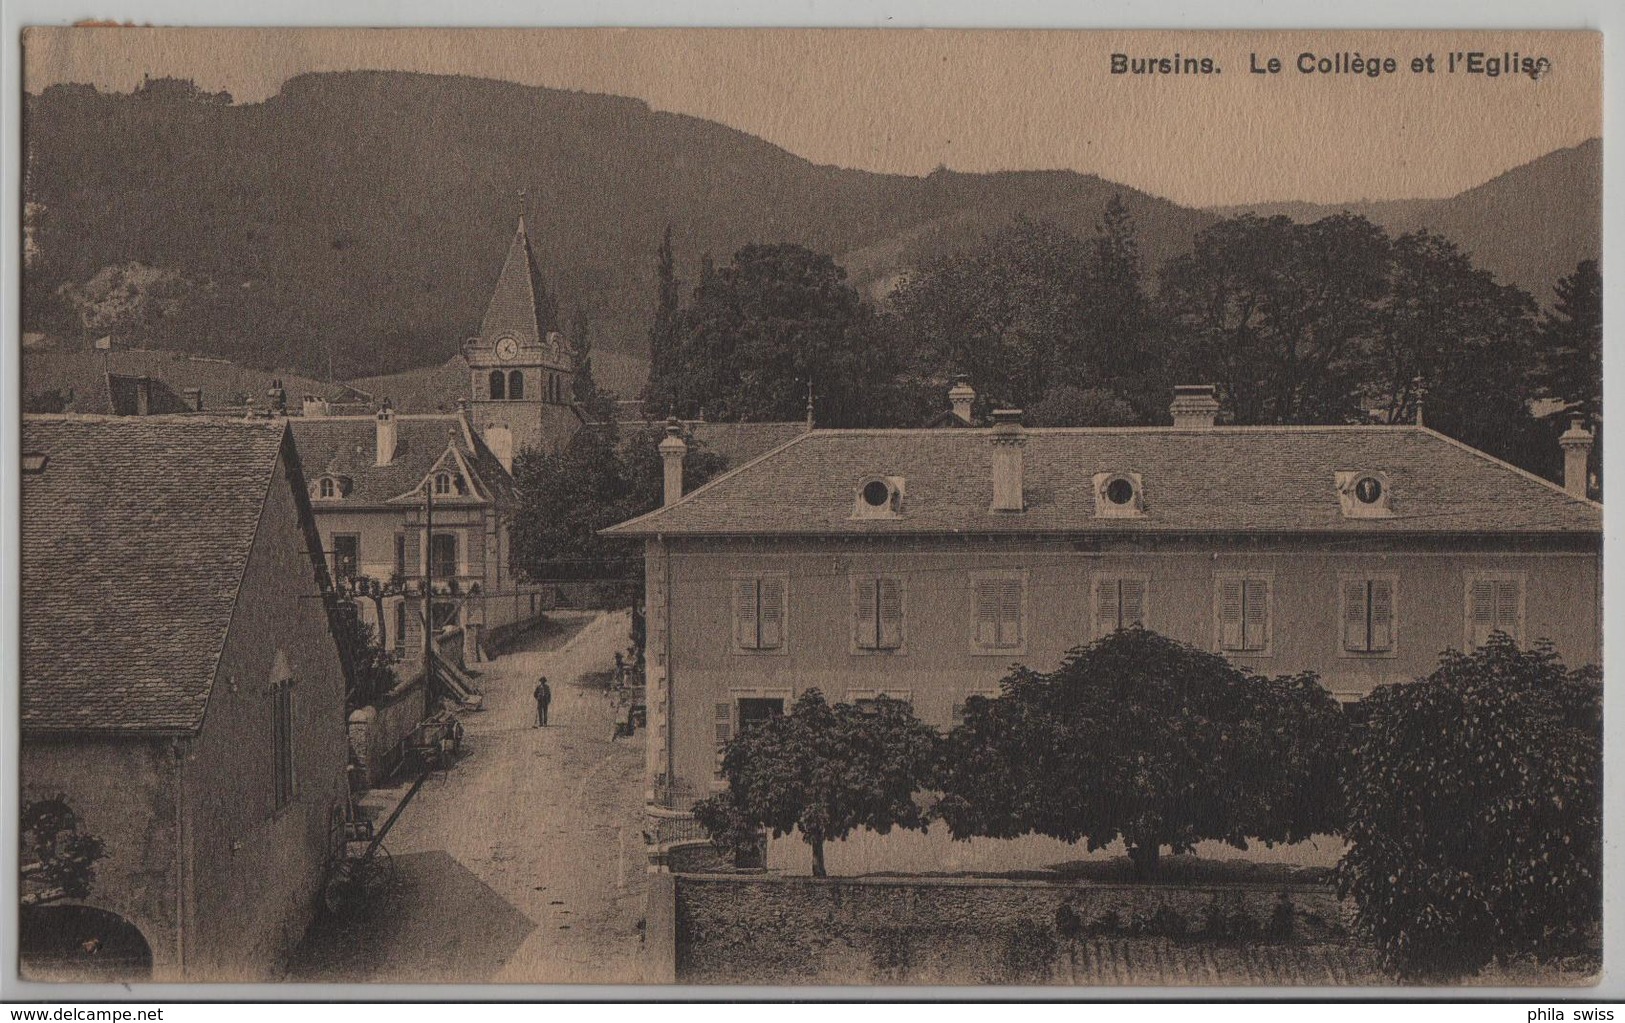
(908, 101)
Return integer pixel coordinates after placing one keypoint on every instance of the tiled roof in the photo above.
(512, 310)
(135, 536)
(348, 446)
(1225, 479)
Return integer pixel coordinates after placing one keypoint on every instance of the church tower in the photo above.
(521, 371)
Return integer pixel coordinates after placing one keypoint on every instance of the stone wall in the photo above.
(779, 930)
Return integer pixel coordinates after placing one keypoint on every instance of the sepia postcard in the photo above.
(810, 507)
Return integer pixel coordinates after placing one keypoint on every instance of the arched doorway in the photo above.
(81, 943)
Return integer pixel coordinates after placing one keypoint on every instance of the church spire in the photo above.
(520, 306)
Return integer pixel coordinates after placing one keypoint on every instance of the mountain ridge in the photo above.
(360, 217)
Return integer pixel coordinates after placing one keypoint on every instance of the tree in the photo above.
(597, 403)
(823, 771)
(1144, 739)
(58, 860)
(659, 393)
(595, 482)
(1571, 341)
(1066, 405)
(1278, 314)
(369, 668)
(762, 330)
(1474, 812)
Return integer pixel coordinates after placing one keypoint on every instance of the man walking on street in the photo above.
(544, 696)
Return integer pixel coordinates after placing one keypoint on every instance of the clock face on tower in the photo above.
(507, 348)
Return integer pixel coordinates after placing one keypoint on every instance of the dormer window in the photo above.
(329, 487)
(1364, 494)
(1118, 495)
(879, 497)
(442, 484)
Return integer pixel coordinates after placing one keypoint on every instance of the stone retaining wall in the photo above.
(780, 930)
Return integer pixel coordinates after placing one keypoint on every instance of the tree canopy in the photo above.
(775, 324)
(595, 482)
(1474, 811)
(823, 771)
(1144, 739)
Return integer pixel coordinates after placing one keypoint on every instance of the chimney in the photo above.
(194, 398)
(388, 432)
(1576, 442)
(314, 407)
(1008, 439)
(1195, 406)
(279, 398)
(961, 398)
(672, 450)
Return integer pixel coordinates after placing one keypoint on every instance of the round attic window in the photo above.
(1120, 491)
(876, 494)
(1368, 489)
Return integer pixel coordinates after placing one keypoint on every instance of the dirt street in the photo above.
(524, 863)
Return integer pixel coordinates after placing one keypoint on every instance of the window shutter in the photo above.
(1255, 608)
(1482, 614)
(1506, 606)
(863, 607)
(1107, 607)
(1382, 615)
(1131, 598)
(1010, 613)
(891, 613)
(772, 612)
(1354, 615)
(724, 731)
(412, 545)
(1230, 614)
(987, 612)
(745, 634)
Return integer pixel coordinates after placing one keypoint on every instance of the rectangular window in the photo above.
(282, 742)
(1119, 603)
(400, 626)
(959, 705)
(1368, 615)
(877, 612)
(346, 556)
(1000, 607)
(759, 610)
(400, 555)
(443, 556)
(1244, 614)
(1494, 604)
(739, 715)
(865, 699)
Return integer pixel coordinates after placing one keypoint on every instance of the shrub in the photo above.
(1140, 738)
(1474, 812)
(1283, 919)
(1225, 918)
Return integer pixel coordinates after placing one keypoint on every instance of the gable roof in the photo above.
(135, 538)
(1224, 479)
(348, 445)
